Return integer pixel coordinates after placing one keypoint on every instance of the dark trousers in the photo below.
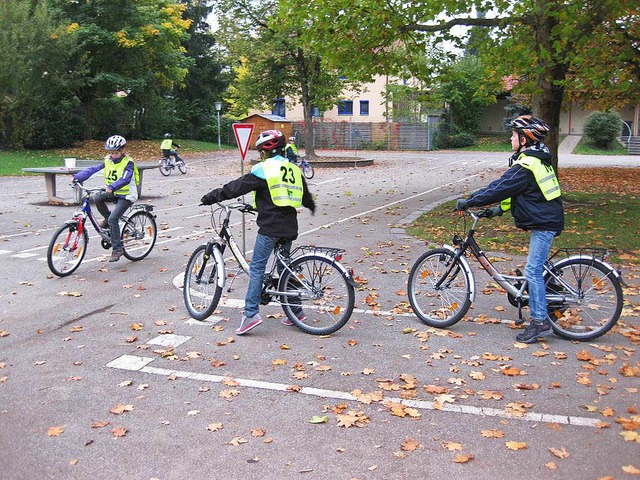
(113, 218)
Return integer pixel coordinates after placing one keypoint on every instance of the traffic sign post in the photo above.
(242, 132)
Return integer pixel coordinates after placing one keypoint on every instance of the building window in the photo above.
(279, 108)
(345, 107)
(315, 111)
(364, 107)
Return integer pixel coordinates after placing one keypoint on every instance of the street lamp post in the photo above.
(218, 107)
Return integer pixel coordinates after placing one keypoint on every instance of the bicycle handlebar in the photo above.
(88, 190)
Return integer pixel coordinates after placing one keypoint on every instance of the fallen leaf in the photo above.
(214, 427)
(55, 431)
(560, 453)
(462, 458)
(516, 445)
(118, 432)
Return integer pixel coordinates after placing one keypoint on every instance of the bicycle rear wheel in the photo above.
(201, 290)
(307, 170)
(319, 298)
(182, 166)
(165, 168)
(139, 235)
(445, 305)
(584, 298)
(67, 249)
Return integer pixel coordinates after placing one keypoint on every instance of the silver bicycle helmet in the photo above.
(115, 142)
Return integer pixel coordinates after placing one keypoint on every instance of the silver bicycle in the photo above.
(309, 279)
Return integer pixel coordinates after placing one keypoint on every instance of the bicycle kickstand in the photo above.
(520, 319)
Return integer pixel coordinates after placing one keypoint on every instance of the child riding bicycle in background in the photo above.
(291, 150)
(168, 147)
(530, 189)
(279, 189)
(121, 178)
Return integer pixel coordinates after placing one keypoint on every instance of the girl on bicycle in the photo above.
(279, 188)
(121, 178)
(530, 189)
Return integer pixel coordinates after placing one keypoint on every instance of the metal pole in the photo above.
(219, 147)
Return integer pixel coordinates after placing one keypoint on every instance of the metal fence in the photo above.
(373, 136)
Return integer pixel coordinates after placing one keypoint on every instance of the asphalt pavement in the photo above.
(103, 375)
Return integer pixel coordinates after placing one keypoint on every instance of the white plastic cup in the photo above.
(70, 162)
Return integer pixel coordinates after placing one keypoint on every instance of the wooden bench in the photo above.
(50, 174)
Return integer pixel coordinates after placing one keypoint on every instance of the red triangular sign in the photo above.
(243, 132)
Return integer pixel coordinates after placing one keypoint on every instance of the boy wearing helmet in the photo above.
(121, 178)
(167, 147)
(279, 189)
(530, 189)
(291, 150)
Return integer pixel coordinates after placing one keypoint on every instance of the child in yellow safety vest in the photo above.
(279, 189)
(530, 189)
(121, 178)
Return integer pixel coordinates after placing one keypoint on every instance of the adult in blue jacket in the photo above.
(530, 189)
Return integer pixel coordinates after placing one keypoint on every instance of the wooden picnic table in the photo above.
(50, 174)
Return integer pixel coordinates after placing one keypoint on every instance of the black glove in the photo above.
(494, 212)
(461, 204)
(207, 200)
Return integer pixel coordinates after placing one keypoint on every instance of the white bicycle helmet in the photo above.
(115, 142)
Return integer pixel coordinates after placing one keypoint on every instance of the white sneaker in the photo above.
(247, 323)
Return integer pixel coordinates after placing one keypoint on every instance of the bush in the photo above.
(602, 128)
(462, 140)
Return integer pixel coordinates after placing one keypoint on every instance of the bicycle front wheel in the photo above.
(139, 235)
(67, 249)
(182, 166)
(319, 298)
(165, 168)
(584, 298)
(201, 290)
(307, 170)
(446, 304)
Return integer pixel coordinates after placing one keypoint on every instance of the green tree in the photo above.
(133, 47)
(31, 53)
(557, 48)
(274, 63)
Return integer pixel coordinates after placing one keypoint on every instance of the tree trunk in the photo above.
(87, 98)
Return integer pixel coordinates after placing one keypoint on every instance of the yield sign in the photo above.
(243, 132)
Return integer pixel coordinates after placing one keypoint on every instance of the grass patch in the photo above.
(592, 219)
(12, 162)
(490, 143)
(583, 148)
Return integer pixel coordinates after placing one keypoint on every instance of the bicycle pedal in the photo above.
(519, 321)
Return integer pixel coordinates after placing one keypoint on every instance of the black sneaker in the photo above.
(104, 223)
(534, 331)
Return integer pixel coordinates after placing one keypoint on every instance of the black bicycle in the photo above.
(584, 293)
(309, 279)
(68, 245)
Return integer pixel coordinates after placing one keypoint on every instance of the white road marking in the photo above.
(141, 364)
(169, 340)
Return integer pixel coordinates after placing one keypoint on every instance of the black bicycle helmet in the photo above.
(115, 142)
(531, 127)
(270, 140)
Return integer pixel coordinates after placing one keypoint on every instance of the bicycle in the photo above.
(584, 293)
(306, 167)
(68, 245)
(168, 164)
(309, 277)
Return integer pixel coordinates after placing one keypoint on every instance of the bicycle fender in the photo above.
(616, 273)
(467, 269)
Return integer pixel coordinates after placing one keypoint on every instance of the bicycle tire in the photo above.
(321, 297)
(307, 171)
(201, 296)
(139, 235)
(447, 305)
(67, 249)
(593, 303)
(182, 166)
(165, 169)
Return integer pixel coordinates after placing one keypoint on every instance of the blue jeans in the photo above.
(122, 205)
(539, 246)
(262, 250)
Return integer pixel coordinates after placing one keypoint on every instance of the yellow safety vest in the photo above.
(167, 144)
(294, 148)
(113, 171)
(545, 178)
(285, 182)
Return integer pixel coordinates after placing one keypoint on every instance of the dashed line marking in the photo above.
(141, 364)
(169, 340)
